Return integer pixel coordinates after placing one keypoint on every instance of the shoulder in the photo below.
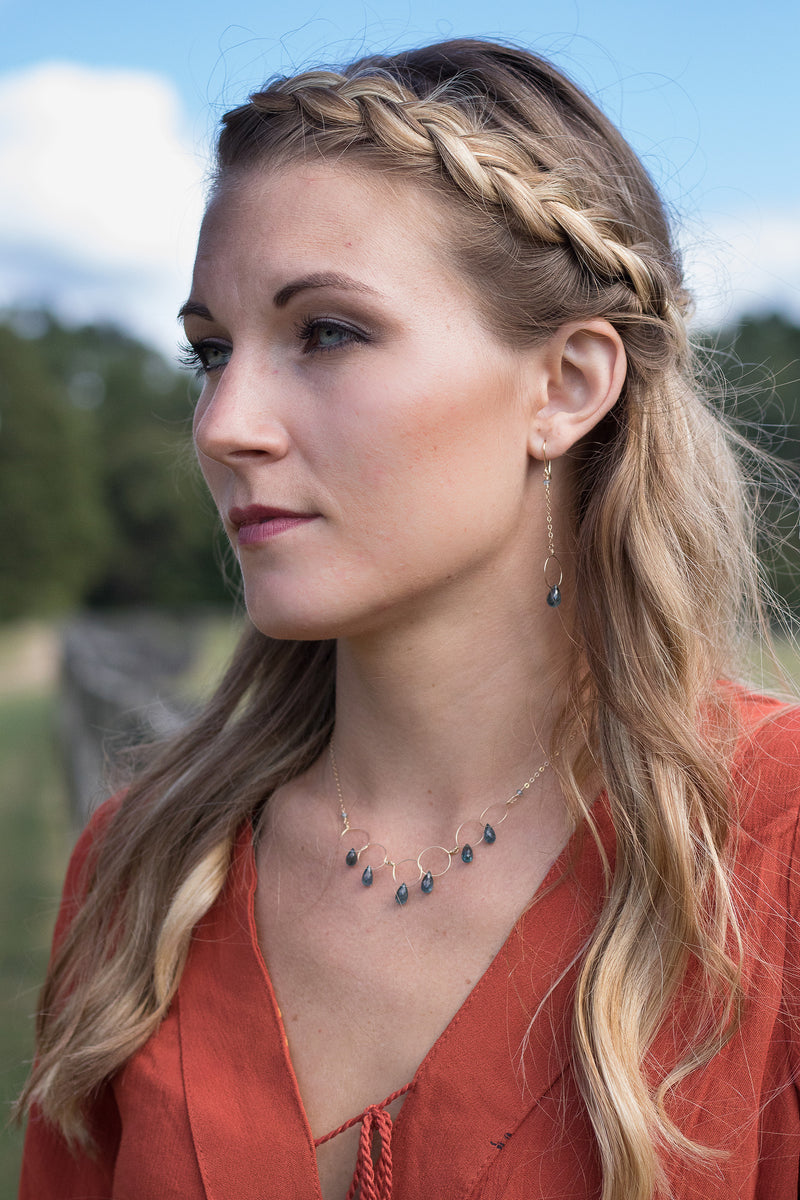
(764, 845)
(81, 862)
(765, 765)
(91, 837)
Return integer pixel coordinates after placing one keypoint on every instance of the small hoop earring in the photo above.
(551, 563)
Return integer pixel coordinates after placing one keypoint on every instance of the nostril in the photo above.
(229, 428)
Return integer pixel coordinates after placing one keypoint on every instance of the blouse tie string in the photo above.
(373, 1175)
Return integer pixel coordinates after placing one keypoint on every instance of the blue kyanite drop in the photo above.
(554, 597)
(427, 883)
(351, 858)
(366, 878)
(466, 854)
(489, 834)
(401, 895)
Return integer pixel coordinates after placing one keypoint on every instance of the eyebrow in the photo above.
(192, 308)
(320, 279)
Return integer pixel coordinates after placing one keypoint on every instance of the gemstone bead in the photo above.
(351, 858)
(554, 597)
(401, 895)
(489, 834)
(466, 854)
(427, 883)
(366, 878)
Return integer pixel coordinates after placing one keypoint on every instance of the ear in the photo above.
(583, 369)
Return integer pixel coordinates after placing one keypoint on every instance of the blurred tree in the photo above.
(98, 429)
(54, 525)
(759, 362)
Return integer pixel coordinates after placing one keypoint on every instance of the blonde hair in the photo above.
(557, 220)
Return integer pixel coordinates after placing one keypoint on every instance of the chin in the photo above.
(288, 610)
(304, 621)
(300, 621)
(290, 626)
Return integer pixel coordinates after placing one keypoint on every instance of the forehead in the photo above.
(327, 217)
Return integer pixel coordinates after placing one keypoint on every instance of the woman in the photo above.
(471, 838)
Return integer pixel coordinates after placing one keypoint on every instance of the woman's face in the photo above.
(365, 439)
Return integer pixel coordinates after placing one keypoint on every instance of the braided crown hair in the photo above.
(502, 130)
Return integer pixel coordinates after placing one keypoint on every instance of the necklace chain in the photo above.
(426, 874)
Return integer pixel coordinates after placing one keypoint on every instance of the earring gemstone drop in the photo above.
(554, 597)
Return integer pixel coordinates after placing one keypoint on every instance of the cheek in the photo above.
(425, 463)
(449, 440)
(381, 454)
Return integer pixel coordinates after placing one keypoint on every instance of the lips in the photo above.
(254, 514)
(258, 522)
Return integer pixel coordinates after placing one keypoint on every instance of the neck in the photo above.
(436, 721)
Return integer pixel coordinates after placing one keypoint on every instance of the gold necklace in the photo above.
(483, 826)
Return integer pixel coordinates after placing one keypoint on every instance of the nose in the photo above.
(235, 419)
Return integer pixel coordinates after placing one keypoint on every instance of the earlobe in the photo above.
(584, 371)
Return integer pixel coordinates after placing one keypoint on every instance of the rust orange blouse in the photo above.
(209, 1108)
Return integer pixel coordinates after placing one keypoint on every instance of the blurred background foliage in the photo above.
(754, 377)
(101, 499)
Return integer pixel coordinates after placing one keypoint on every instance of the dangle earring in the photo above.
(551, 563)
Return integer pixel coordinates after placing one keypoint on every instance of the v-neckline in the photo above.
(234, 1042)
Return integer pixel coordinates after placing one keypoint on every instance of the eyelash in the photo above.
(192, 355)
(308, 326)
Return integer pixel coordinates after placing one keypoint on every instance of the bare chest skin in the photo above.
(366, 987)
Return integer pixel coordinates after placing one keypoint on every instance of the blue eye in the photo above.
(212, 356)
(206, 356)
(329, 335)
(317, 334)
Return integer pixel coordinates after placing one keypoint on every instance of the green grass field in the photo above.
(35, 840)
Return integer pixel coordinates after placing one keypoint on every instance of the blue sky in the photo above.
(707, 93)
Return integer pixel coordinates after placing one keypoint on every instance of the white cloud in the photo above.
(101, 193)
(747, 262)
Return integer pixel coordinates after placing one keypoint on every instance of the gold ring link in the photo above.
(401, 878)
(352, 841)
(553, 558)
(477, 829)
(427, 870)
(502, 807)
(385, 862)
